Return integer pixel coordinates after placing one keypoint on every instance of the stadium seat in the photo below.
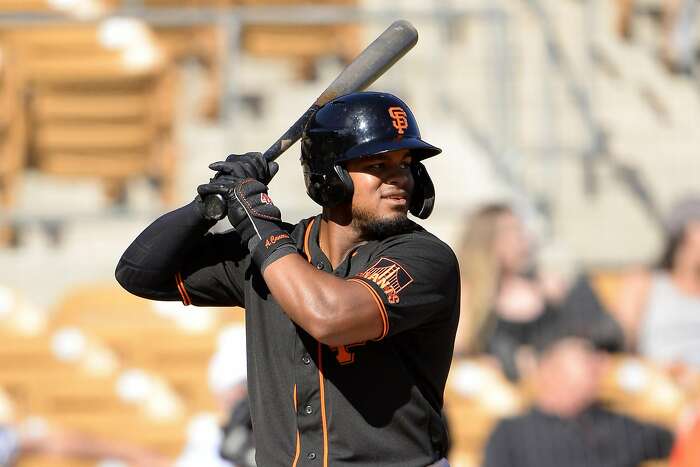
(641, 388)
(102, 102)
(606, 283)
(302, 44)
(12, 129)
(98, 406)
(167, 338)
(476, 397)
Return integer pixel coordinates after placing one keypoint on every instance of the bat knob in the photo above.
(214, 207)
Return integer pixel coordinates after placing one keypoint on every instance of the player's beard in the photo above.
(372, 227)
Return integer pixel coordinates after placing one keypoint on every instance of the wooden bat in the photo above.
(378, 57)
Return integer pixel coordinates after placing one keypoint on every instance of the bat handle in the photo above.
(214, 207)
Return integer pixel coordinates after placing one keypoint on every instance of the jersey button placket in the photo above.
(308, 410)
(311, 456)
(306, 360)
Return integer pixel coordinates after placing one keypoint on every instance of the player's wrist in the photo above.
(275, 244)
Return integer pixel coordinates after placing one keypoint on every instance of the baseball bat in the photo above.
(378, 57)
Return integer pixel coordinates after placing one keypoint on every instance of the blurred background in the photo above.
(568, 186)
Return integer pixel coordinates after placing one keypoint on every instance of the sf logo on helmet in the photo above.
(399, 120)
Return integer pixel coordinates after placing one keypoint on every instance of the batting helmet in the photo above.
(357, 125)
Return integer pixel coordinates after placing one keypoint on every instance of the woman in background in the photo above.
(659, 307)
(504, 301)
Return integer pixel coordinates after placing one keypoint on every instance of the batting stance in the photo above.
(350, 315)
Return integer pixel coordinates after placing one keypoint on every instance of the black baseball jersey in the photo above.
(375, 403)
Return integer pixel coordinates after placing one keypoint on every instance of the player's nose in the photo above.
(400, 177)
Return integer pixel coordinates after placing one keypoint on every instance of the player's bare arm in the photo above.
(336, 311)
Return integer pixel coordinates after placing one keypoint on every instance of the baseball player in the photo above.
(350, 315)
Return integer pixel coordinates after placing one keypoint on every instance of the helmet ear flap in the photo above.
(345, 187)
(330, 188)
(423, 197)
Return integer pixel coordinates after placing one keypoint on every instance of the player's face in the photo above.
(382, 188)
(572, 369)
(511, 243)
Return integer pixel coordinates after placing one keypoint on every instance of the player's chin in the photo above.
(393, 208)
(392, 215)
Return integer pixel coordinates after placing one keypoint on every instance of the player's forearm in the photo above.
(334, 311)
(148, 265)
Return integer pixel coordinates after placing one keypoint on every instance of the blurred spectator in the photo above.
(565, 427)
(228, 380)
(679, 38)
(209, 443)
(678, 41)
(504, 300)
(660, 308)
(36, 437)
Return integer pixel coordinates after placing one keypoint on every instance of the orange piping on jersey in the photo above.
(181, 288)
(307, 252)
(323, 406)
(307, 234)
(380, 306)
(298, 450)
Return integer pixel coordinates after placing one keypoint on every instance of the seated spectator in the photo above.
(659, 307)
(565, 427)
(209, 442)
(504, 301)
(678, 31)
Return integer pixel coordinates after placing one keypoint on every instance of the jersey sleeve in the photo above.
(413, 282)
(215, 272)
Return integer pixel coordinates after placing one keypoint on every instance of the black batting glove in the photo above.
(259, 223)
(248, 165)
(236, 167)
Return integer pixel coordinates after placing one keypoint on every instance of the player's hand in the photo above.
(259, 222)
(235, 168)
(248, 165)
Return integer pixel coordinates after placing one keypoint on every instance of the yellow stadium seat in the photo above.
(642, 389)
(477, 396)
(102, 102)
(12, 129)
(606, 284)
(150, 335)
(303, 44)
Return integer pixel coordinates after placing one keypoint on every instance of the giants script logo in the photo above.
(389, 276)
(272, 239)
(399, 120)
(265, 198)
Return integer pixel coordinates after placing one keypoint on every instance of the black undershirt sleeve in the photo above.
(148, 266)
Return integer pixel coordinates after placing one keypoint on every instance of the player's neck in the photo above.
(337, 236)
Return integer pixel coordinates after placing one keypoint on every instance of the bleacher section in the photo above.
(100, 103)
(111, 365)
(101, 94)
(12, 128)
